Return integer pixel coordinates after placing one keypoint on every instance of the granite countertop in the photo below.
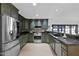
(65, 40)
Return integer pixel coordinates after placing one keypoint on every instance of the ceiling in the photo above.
(47, 10)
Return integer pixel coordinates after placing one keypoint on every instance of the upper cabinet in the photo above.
(43, 23)
(9, 9)
(24, 24)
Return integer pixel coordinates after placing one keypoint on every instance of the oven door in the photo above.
(37, 37)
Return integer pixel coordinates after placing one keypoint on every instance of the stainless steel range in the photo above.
(37, 34)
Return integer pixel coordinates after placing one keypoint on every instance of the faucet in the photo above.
(64, 36)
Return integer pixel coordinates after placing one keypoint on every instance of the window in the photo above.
(55, 29)
(63, 29)
(60, 29)
(67, 29)
(73, 29)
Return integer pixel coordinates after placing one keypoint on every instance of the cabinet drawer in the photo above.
(64, 46)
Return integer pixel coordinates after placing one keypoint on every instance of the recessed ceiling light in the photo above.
(34, 4)
(56, 10)
(37, 15)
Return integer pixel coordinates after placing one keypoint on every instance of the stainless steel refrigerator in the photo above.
(10, 45)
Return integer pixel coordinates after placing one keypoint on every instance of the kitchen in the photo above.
(55, 24)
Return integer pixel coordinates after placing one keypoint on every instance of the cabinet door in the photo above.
(58, 49)
(64, 46)
(45, 38)
(30, 37)
(14, 13)
(5, 9)
(45, 23)
(52, 44)
(64, 52)
(26, 24)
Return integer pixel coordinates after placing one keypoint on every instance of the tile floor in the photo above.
(36, 49)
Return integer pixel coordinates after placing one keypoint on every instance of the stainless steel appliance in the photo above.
(10, 45)
(37, 34)
(37, 37)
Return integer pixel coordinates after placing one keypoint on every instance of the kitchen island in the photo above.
(64, 46)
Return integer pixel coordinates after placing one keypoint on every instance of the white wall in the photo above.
(64, 20)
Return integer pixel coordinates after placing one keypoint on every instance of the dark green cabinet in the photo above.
(38, 22)
(63, 49)
(45, 38)
(30, 39)
(55, 45)
(51, 42)
(9, 9)
(23, 40)
(5, 9)
(24, 24)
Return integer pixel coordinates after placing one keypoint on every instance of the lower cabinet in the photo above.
(64, 52)
(30, 38)
(62, 49)
(45, 38)
(23, 40)
(51, 42)
(58, 49)
(70, 50)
